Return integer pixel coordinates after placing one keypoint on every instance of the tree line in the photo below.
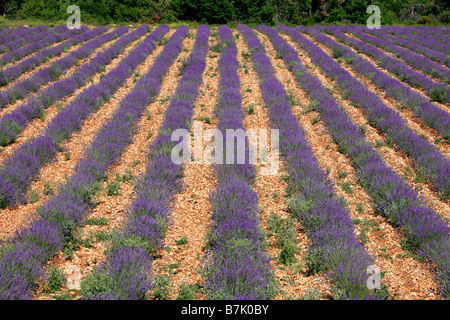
(238, 11)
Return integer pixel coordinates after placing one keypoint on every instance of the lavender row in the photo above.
(236, 264)
(16, 121)
(149, 214)
(429, 161)
(434, 55)
(334, 247)
(9, 74)
(439, 92)
(47, 40)
(430, 41)
(424, 229)
(415, 60)
(21, 168)
(20, 32)
(59, 216)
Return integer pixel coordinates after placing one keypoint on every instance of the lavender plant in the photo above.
(414, 47)
(21, 31)
(411, 34)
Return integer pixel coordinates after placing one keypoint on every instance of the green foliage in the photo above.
(252, 12)
(113, 189)
(182, 240)
(161, 289)
(285, 233)
(187, 291)
(55, 280)
(97, 221)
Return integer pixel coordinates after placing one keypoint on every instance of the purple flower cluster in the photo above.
(428, 159)
(236, 264)
(415, 60)
(14, 122)
(15, 55)
(9, 74)
(60, 215)
(149, 213)
(22, 167)
(21, 31)
(334, 247)
(393, 198)
(407, 97)
(29, 38)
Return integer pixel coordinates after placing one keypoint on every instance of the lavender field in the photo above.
(93, 207)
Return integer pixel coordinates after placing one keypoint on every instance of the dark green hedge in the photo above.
(237, 11)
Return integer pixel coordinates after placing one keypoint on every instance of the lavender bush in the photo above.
(21, 31)
(29, 38)
(411, 34)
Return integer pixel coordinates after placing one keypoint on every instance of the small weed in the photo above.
(48, 188)
(182, 240)
(346, 186)
(161, 289)
(360, 207)
(342, 174)
(251, 109)
(55, 280)
(187, 291)
(34, 196)
(315, 120)
(102, 221)
(113, 189)
(205, 119)
(67, 156)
